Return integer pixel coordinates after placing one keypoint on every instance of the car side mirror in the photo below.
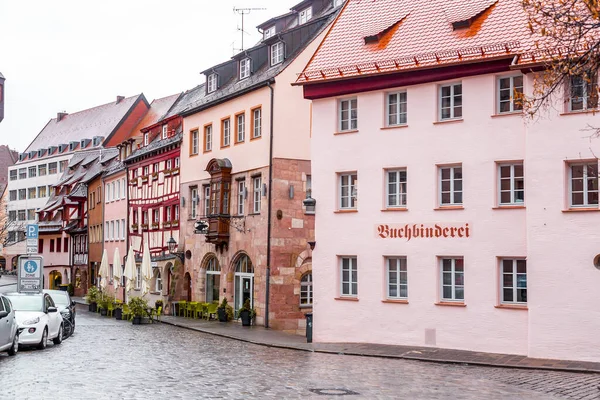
(3, 314)
(52, 309)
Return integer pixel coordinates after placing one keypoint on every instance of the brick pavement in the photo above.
(267, 337)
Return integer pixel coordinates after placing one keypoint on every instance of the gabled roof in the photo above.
(425, 38)
(154, 146)
(102, 121)
(157, 111)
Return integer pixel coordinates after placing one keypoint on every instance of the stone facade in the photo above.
(291, 255)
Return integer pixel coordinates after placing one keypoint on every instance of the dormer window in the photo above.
(146, 138)
(267, 33)
(277, 51)
(211, 83)
(244, 68)
(305, 15)
(337, 3)
(165, 130)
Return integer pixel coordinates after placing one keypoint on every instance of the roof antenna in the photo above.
(243, 12)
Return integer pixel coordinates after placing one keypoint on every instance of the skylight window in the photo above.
(211, 83)
(305, 15)
(267, 33)
(244, 68)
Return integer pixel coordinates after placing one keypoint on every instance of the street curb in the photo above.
(387, 356)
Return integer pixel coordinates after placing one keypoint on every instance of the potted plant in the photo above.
(145, 227)
(225, 311)
(118, 311)
(134, 227)
(158, 303)
(154, 175)
(138, 307)
(247, 313)
(103, 301)
(155, 225)
(71, 289)
(92, 298)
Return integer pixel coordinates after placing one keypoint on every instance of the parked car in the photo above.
(38, 319)
(66, 307)
(9, 329)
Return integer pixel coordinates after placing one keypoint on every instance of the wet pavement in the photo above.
(110, 359)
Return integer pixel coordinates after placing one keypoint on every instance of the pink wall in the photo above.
(116, 210)
(562, 315)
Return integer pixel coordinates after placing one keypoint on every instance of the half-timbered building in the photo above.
(153, 191)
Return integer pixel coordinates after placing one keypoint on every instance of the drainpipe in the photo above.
(270, 202)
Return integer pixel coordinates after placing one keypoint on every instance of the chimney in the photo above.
(60, 116)
(120, 98)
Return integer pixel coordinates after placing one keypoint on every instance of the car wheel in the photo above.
(44, 341)
(59, 338)
(15, 346)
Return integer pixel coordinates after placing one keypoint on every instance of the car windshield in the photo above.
(26, 303)
(60, 299)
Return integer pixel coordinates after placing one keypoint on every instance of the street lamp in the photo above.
(173, 249)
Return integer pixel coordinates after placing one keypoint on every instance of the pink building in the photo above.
(443, 217)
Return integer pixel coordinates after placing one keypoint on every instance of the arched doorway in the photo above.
(213, 280)
(244, 281)
(55, 279)
(2, 263)
(188, 286)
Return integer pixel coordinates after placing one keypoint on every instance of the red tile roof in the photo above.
(158, 109)
(425, 38)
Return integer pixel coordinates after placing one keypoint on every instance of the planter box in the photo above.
(246, 320)
(222, 314)
(103, 312)
(136, 321)
(118, 312)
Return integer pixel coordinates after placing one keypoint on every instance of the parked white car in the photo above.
(38, 319)
(9, 332)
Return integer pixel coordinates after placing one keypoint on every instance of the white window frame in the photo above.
(277, 53)
(194, 202)
(400, 116)
(208, 138)
(107, 231)
(270, 31)
(146, 138)
(512, 88)
(256, 194)
(118, 190)
(398, 266)
(206, 200)
(585, 96)
(349, 106)
(123, 229)
(515, 286)
(256, 123)
(512, 190)
(226, 126)
(124, 184)
(337, 3)
(453, 285)
(306, 290)
(165, 131)
(107, 194)
(352, 281)
(241, 209)
(585, 178)
(112, 230)
(305, 15)
(211, 83)
(117, 229)
(194, 142)
(453, 97)
(158, 282)
(348, 181)
(244, 68)
(453, 191)
(400, 187)
(241, 128)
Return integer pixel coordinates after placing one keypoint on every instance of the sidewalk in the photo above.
(266, 337)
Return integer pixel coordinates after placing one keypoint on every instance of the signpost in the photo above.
(30, 274)
(32, 238)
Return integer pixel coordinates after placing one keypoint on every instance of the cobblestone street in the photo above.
(110, 359)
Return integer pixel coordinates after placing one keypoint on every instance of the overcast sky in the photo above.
(69, 55)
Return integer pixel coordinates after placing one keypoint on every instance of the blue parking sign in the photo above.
(32, 231)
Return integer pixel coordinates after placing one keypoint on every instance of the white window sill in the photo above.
(448, 121)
